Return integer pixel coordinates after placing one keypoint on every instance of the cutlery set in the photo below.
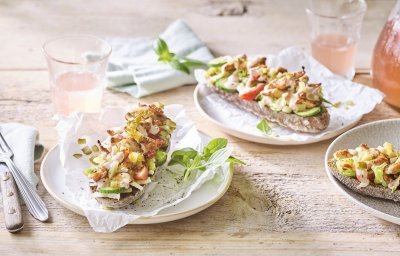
(12, 181)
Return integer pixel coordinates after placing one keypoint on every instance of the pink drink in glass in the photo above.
(335, 51)
(77, 91)
(77, 69)
(335, 30)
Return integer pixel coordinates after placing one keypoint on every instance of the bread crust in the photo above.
(312, 124)
(370, 190)
(125, 200)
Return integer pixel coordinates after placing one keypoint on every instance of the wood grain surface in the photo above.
(281, 203)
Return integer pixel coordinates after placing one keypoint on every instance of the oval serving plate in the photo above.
(53, 178)
(373, 134)
(211, 114)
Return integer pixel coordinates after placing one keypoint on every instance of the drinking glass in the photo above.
(77, 67)
(335, 31)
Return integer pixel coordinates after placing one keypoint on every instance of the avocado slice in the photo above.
(310, 112)
(220, 84)
(218, 61)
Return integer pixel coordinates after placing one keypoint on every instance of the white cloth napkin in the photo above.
(22, 140)
(133, 67)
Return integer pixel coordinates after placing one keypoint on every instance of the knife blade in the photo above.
(11, 205)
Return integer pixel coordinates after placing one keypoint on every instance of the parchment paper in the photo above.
(168, 188)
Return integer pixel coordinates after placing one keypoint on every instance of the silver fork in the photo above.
(32, 200)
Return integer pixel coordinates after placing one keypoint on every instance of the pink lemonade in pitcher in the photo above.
(386, 60)
(336, 52)
(77, 91)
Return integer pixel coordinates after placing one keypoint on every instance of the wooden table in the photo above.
(281, 203)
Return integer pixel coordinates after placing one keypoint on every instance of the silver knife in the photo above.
(11, 205)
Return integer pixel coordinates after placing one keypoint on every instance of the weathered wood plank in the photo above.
(274, 206)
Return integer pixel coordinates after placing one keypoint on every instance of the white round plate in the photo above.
(53, 178)
(373, 134)
(200, 93)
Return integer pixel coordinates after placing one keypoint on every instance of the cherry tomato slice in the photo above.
(143, 174)
(251, 93)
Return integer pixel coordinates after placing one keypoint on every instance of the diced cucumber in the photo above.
(151, 163)
(89, 171)
(161, 157)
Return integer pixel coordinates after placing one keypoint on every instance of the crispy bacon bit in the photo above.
(102, 148)
(303, 95)
(394, 168)
(281, 70)
(117, 138)
(257, 62)
(344, 153)
(380, 160)
(371, 176)
(299, 74)
(347, 167)
(153, 146)
(156, 110)
(374, 152)
(102, 173)
(280, 83)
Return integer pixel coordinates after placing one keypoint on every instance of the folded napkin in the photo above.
(22, 141)
(133, 67)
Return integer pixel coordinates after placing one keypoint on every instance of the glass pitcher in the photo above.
(386, 59)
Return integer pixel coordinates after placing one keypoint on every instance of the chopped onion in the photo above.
(109, 195)
(154, 129)
(142, 130)
(144, 182)
(134, 184)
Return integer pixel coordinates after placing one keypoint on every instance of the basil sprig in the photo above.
(214, 154)
(179, 63)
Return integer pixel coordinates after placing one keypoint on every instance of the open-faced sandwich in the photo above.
(279, 96)
(127, 160)
(370, 171)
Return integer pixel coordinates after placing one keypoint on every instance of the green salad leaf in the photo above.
(378, 173)
(264, 127)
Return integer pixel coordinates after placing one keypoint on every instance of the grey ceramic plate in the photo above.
(373, 134)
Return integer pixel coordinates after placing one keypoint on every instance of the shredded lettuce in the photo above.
(378, 171)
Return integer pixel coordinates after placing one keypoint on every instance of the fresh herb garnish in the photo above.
(326, 101)
(179, 63)
(214, 154)
(264, 127)
(335, 105)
